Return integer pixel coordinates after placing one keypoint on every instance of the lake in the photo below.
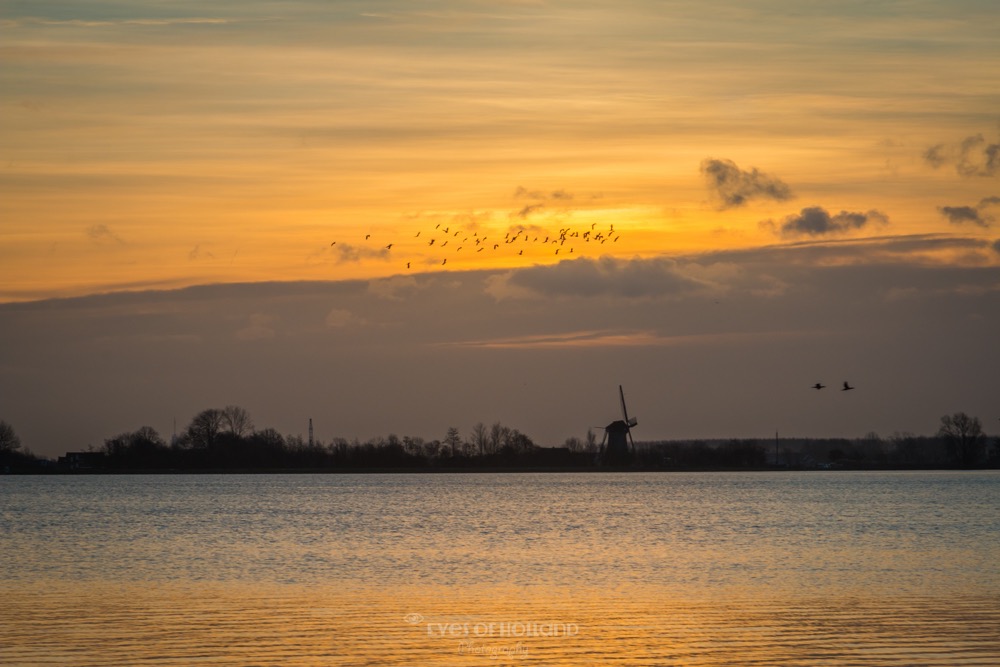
(779, 568)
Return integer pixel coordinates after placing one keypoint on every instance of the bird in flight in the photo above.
(846, 387)
(818, 385)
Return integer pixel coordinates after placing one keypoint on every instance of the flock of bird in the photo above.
(565, 241)
(820, 385)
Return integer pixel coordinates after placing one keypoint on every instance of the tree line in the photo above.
(226, 439)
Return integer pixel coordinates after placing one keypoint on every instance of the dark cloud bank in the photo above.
(724, 344)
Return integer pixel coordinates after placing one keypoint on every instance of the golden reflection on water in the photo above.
(93, 623)
(425, 570)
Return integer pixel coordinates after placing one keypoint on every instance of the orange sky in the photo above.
(165, 147)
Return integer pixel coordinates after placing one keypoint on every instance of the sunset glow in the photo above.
(173, 146)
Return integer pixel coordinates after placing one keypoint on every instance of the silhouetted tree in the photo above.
(260, 449)
(203, 431)
(964, 437)
(413, 446)
(9, 441)
(498, 435)
(432, 448)
(270, 437)
(480, 438)
(912, 450)
(453, 441)
(236, 421)
(143, 448)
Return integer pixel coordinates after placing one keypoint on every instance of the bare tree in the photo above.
(237, 421)
(205, 428)
(453, 440)
(480, 438)
(9, 442)
(964, 437)
(497, 437)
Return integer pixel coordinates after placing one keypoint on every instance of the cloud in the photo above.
(197, 20)
(393, 288)
(608, 338)
(586, 277)
(198, 253)
(735, 187)
(345, 252)
(259, 328)
(472, 220)
(958, 215)
(817, 221)
(448, 352)
(338, 318)
(528, 210)
(935, 156)
(558, 201)
(972, 156)
(103, 234)
(558, 195)
(914, 249)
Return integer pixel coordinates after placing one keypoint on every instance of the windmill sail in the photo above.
(630, 422)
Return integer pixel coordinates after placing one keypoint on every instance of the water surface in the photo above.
(822, 568)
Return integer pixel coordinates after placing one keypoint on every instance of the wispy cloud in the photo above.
(528, 210)
(197, 253)
(102, 23)
(339, 318)
(345, 252)
(972, 156)
(259, 327)
(609, 338)
(554, 195)
(541, 201)
(103, 234)
(735, 187)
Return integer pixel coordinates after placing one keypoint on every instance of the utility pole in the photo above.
(310, 431)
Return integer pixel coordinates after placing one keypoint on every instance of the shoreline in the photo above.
(473, 470)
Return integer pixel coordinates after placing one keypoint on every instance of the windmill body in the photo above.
(617, 447)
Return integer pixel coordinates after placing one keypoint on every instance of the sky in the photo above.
(213, 203)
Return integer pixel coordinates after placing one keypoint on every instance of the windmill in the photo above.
(617, 446)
